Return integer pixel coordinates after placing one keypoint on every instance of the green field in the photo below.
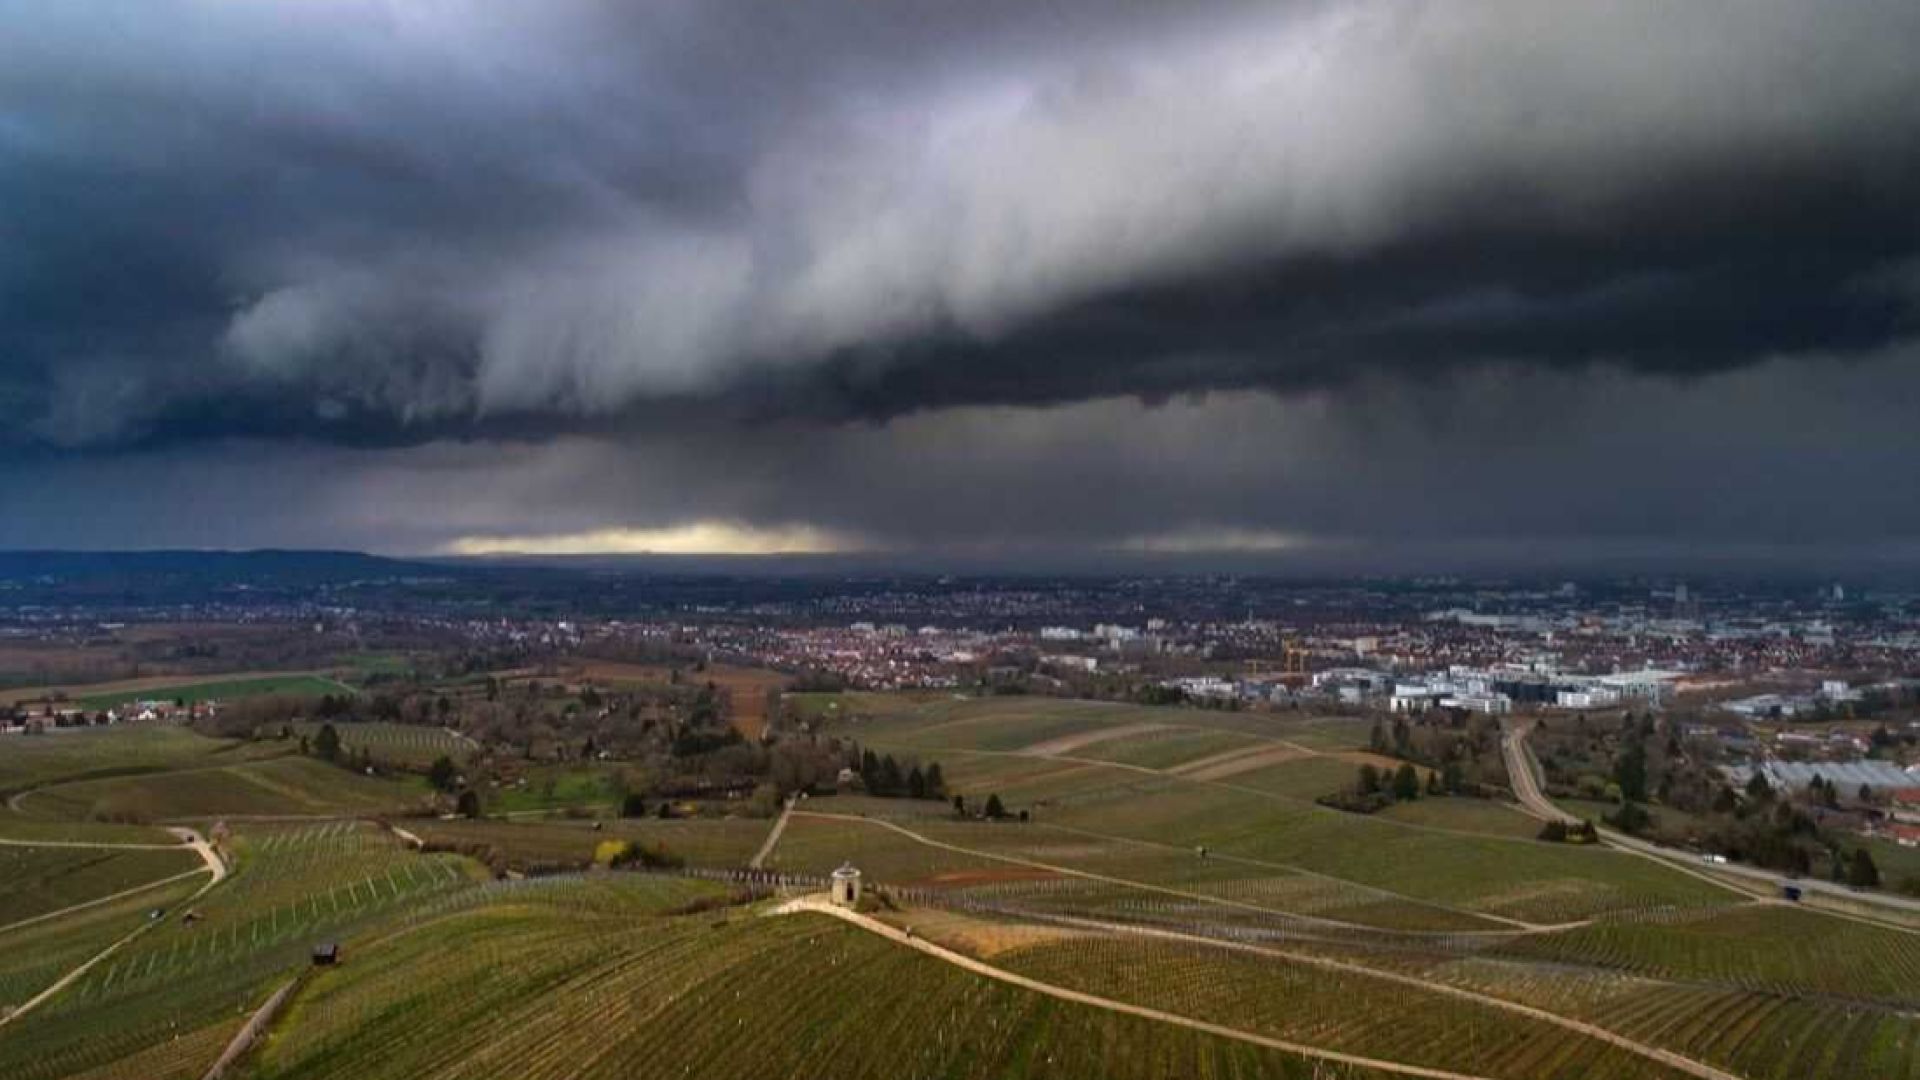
(281, 787)
(1405, 936)
(523, 991)
(292, 886)
(407, 745)
(1267, 814)
(38, 880)
(1336, 1009)
(557, 845)
(29, 761)
(227, 689)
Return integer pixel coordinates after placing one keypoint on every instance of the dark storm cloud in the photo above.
(385, 223)
(1516, 466)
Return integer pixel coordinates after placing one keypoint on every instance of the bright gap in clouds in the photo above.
(693, 538)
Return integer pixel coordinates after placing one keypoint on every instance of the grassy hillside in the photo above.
(287, 786)
(528, 992)
(37, 880)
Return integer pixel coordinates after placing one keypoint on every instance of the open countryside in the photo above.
(1069, 887)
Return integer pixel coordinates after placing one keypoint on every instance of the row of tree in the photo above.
(883, 777)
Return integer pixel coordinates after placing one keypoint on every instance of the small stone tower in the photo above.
(846, 886)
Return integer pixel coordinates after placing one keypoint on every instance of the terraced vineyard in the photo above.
(534, 845)
(414, 745)
(1767, 947)
(286, 786)
(516, 991)
(1420, 940)
(72, 754)
(293, 885)
(34, 955)
(38, 880)
(1335, 1009)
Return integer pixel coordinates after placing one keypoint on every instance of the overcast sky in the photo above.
(1391, 279)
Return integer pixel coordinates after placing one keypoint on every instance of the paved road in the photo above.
(1522, 769)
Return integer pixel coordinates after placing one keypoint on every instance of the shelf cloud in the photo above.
(376, 231)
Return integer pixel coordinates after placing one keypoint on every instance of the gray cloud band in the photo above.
(376, 224)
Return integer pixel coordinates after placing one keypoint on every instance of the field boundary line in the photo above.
(1582, 1027)
(986, 970)
(773, 837)
(1167, 890)
(1295, 801)
(1264, 864)
(250, 1032)
(214, 864)
(121, 895)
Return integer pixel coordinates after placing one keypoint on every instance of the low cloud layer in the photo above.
(1786, 464)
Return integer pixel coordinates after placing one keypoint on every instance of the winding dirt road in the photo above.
(215, 867)
(820, 906)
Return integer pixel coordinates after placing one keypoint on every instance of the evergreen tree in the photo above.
(1406, 783)
(995, 811)
(936, 784)
(960, 805)
(916, 783)
(1630, 772)
(1862, 873)
(1368, 781)
(327, 743)
(891, 781)
(469, 805)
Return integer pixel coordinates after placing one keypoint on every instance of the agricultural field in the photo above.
(403, 745)
(280, 787)
(225, 689)
(519, 992)
(1765, 947)
(1172, 861)
(29, 761)
(1487, 816)
(291, 886)
(1266, 813)
(1303, 1002)
(564, 844)
(37, 880)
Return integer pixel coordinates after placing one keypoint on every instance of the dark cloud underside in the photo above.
(828, 256)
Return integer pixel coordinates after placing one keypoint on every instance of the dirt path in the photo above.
(773, 838)
(977, 967)
(1165, 890)
(1289, 868)
(121, 895)
(1242, 760)
(215, 866)
(1067, 744)
(1325, 963)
